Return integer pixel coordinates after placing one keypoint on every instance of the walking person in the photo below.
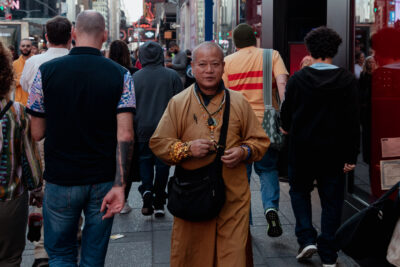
(58, 36)
(25, 48)
(244, 73)
(186, 137)
(320, 115)
(179, 61)
(358, 67)
(20, 169)
(119, 53)
(365, 93)
(152, 99)
(88, 124)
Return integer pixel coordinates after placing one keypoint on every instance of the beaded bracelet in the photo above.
(180, 151)
(248, 151)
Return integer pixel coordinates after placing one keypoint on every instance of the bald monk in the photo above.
(84, 103)
(185, 124)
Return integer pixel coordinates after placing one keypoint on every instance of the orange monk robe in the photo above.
(20, 95)
(220, 241)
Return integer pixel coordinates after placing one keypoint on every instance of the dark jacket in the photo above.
(155, 85)
(320, 112)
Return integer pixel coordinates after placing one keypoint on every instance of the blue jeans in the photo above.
(62, 208)
(331, 189)
(267, 170)
(147, 161)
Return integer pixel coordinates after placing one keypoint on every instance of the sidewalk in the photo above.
(146, 240)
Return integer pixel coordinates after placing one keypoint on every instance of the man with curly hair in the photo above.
(321, 117)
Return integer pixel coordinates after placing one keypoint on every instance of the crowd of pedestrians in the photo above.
(97, 123)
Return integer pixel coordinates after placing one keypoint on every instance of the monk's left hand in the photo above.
(233, 157)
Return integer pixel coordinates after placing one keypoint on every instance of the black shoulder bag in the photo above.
(367, 234)
(199, 195)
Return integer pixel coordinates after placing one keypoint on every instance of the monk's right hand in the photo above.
(200, 147)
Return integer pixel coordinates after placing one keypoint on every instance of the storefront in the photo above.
(11, 33)
(25, 18)
(377, 37)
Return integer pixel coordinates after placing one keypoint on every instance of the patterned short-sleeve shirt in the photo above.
(36, 98)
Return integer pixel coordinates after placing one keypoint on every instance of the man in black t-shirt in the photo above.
(83, 104)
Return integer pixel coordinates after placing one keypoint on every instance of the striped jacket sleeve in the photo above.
(31, 169)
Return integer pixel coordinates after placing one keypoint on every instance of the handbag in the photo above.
(271, 120)
(199, 195)
(367, 234)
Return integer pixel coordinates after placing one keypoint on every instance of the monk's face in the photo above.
(208, 68)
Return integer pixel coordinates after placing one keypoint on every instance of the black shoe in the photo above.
(147, 208)
(41, 263)
(274, 225)
(306, 252)
(159, 207)
(159, 211)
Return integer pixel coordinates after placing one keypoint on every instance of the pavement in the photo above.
(146, 240)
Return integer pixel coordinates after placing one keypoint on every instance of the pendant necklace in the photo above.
(211, 122)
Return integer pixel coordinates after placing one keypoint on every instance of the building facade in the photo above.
(102, 7)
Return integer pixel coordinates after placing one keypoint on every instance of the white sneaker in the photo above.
(159, 213)
(306, 252)
(126, 209)
(329, 265)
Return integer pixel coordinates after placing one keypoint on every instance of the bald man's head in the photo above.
(90, 22)
(206, 46)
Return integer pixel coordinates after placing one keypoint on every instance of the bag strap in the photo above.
(388, 193)
(267, 76)
(5, 109)
(224, 127)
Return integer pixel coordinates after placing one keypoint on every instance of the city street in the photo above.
(146, 240)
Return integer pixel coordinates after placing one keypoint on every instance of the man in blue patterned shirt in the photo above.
(83, 104)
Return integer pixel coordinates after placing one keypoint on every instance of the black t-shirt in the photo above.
(79, 95)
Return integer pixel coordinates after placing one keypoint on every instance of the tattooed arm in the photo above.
(124, 148)
(114, 201)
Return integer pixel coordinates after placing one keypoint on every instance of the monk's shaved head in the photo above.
(90, 22)
(207, 45)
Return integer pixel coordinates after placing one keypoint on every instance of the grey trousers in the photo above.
(14, 219)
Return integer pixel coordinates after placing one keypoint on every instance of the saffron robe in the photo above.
(220, 241)
(20, 95)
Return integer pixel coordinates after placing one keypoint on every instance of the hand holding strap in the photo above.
(224, 127)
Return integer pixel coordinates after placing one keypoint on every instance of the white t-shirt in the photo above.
(33, 63)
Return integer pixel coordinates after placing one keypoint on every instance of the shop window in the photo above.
(377, 67)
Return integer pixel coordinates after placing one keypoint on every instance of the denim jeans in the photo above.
(147, 162)
(62, 207)
(331, 189)
(267, 170)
